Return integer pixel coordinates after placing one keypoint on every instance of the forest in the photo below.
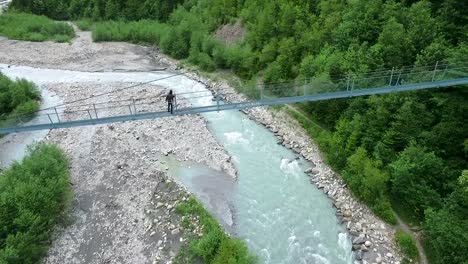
(405, 153)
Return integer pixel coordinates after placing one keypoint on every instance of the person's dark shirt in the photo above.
(170, 98)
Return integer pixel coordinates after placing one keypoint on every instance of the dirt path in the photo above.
(405, 228)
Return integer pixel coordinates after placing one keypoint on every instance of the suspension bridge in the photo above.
(77, 113)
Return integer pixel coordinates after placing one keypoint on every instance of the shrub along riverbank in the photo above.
(214, 247)
(34, 194)
(17, 98)
(29, 27)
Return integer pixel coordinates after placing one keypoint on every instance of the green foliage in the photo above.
(143, 31)
(17, 98)
(33, 197)
(364, 176)
(99, 9)
(368, 182)
(446, 229)
(417, 179)
(214, 246)
(407, 245)
(232, 251)
(446, 236)
(394, 44)
(84, 24)
(34, 28)
(56, 9)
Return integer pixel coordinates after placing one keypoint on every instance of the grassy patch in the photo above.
(34, 193)
(144, 31)
(84, 24)
(214, 246)
(407, 245)
(34, 28)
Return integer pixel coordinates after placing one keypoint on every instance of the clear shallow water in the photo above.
(214, 188)
(281, 216)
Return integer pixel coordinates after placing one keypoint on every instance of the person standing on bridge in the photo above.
(170, 98)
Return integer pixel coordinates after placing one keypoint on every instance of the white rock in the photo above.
(368, 243)
(175, 231)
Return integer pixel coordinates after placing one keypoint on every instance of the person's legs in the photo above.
(171, 107)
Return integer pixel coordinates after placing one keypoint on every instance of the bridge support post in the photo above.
(56, 113)
(95, 111)
(50, 119)
(435, 70)
(217, 102)
(19, 119)
(134, 105)
(347, 84)
(398, 79)
(89, 113)
(391, 77)
(305, 87)
(445, 72)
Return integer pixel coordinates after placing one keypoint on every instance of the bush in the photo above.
(61, 38)
(368, 182)
(17, 98)
(33, 197)
(214, 246)
(383, 209)
(241, 59)
(446, 235)
(34, 28)
(232, 251)
(144, 31)
(406, 244)
(84, 24)
(364, 176)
